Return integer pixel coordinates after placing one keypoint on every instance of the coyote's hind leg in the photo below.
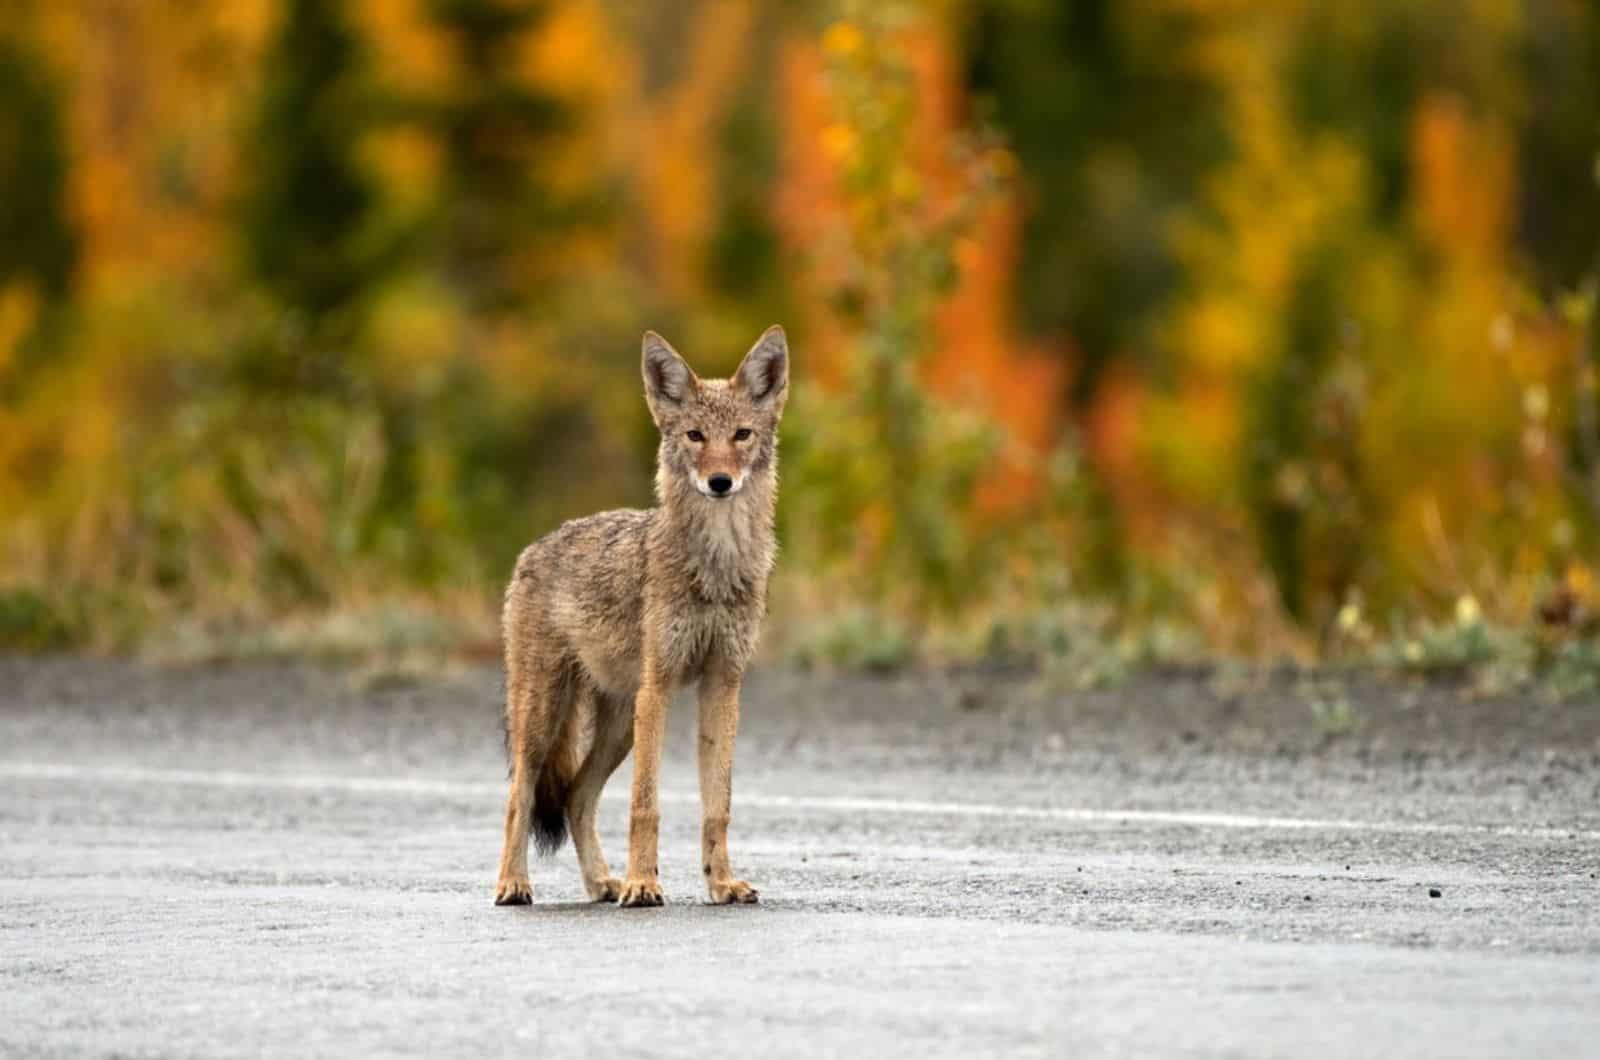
(613, 739)
(513, 886)
(534, 709)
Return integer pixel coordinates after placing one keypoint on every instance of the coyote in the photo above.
(606, 616)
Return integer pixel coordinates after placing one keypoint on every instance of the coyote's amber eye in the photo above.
(741, 434)
(696, 436)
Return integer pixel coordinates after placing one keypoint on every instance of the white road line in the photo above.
(419, 786)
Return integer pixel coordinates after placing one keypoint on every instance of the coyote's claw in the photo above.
(514, 891)
(640, 893)
(733, 892)
(605, 890)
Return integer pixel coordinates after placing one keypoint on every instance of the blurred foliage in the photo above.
(29, 622)
(36, 240)
(1115, 126)
(1124, 332)
(884, 472)
(309, 205)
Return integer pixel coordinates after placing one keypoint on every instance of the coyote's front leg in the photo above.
(642, 886)
(719, 723)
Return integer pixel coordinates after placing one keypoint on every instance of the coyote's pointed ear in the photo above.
(764, 373)
(668, 379)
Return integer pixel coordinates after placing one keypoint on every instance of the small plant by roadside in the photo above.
(31, 622)
(858, 638)
(1557, 652)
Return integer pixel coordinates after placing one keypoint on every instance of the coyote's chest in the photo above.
(680, 634)
(694, 632)
(708, 597)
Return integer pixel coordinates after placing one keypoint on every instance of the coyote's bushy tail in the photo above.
(549, 824)
(550, 809)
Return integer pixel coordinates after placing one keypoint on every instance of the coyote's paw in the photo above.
(513, 890)
(606, 889)
(733, 892)
(640, 893)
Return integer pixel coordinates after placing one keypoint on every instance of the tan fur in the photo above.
(607, 616)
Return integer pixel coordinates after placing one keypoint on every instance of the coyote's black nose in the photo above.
(720, 484)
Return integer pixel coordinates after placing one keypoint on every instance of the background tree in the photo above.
(309, 204)
(38, 246)
(499, 132)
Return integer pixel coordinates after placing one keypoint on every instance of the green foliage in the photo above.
(37, 243)
(38, 246)
(858, 638)
(1302, 474)
(400, 641)
(888, 472)
(1558, 210)
(260, 495)
(309, 210)
(1113, 135)
(1294, 269)
(1449, 648)
(743, 256)
(30, 622)
(1491, 658)
(1572, 668)
(1331, 711)
(1076, 647)
(495, 214)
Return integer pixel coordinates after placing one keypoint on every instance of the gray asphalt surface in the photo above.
(278, 859)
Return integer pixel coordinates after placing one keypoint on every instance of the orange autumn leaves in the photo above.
(1349, 381)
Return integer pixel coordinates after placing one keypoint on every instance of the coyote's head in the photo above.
(717, 435)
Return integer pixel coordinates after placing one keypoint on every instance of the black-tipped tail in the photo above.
(549, 811)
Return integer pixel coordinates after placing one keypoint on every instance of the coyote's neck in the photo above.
(726, 546)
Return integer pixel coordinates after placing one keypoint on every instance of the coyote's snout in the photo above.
(607, 616)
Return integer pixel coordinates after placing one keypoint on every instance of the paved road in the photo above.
(289, 860)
